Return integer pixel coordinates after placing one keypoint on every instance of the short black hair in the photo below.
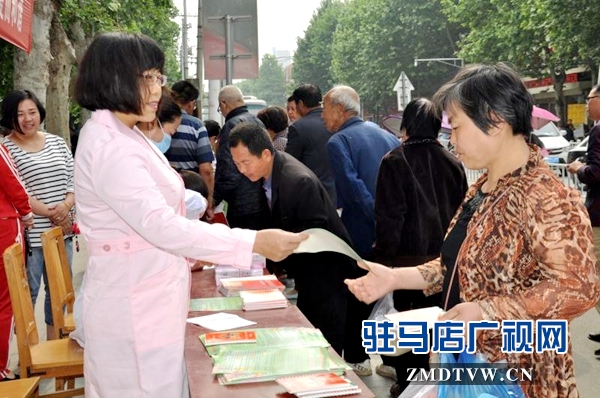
(274, 118)
(252, 136)
(110, 72)
(213, 128)
(184, 91)
(421, 119)
(194, 182)
(10, 109)
(309, 94)
(168, 110)
(488, 92)
(291, 98)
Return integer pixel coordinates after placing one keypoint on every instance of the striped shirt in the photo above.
(47, 175)
(190, 146)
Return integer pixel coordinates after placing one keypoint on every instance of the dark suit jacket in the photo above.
(243, 196)
(307, 142)
(298, 202)
(590, 175)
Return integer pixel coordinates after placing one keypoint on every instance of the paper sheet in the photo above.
(429, 315)
(321, 240)
(221, 321)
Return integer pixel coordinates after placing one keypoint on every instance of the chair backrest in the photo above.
(60, 283)
(18, 286)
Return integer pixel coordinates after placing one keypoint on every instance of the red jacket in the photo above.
(14, 201)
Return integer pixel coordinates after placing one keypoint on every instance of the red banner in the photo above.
(16, 17)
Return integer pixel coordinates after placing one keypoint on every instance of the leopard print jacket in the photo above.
(528, 254)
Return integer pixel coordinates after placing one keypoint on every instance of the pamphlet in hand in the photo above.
(429, 315)
(321, 240)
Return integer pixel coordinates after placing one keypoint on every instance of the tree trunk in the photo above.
(57, 97)
(558, 78)
(31, 70)
(80, 42)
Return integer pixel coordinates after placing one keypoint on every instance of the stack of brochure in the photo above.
(318, 385)
(233, 286)
(253, 300)
(268, 358)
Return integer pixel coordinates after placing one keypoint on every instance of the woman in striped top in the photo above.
(46, 168)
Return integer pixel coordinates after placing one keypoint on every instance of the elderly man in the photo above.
(307, 136)
(245, 199)
(355, 151)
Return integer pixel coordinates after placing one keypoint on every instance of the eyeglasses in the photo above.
(588, 99)
(219, 108)
(151, 79)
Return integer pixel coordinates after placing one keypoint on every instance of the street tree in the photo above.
(313, 56)
(378, 39)
(539, 37)
(270, 84)
(62, 31)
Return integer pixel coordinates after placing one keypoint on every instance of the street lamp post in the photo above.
(456, 62)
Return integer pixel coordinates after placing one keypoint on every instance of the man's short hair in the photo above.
(212, 127)
(309, 94)
(110, 74)
(184, 92)
(252, 136)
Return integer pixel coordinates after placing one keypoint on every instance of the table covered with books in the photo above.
(273, 323)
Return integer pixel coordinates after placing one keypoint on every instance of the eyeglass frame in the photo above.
(151, 79)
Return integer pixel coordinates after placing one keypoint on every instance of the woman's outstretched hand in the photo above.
(276, 244)
(377, 283)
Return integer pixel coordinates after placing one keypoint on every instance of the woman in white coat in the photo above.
(135, 292)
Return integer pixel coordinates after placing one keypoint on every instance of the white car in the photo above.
(556, 145)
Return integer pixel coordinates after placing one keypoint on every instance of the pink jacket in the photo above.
(135, 293)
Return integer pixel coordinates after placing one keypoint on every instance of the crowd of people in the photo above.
(516, 244)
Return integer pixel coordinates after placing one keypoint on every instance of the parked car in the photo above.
(556, 145)
(578, 151)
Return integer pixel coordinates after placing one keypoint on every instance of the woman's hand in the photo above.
(276, 244)
(377, 283)
(66, 225)
(59, 213)
(466, 312)
(27, 221)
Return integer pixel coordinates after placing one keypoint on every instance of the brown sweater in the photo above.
(528, 254)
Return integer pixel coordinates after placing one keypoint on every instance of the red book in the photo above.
(232, 286)
(239, 336)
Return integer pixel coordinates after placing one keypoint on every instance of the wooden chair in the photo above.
(61, 358)
(60, 283)
(24, 388)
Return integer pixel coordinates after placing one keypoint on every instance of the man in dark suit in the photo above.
(244, 198)
(307, 136)
(298, 201)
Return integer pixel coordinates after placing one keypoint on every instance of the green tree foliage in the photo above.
(6, 68)
(312, 59)
(270, 85)
(539, 37)
(150, 17)
(378, 39)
